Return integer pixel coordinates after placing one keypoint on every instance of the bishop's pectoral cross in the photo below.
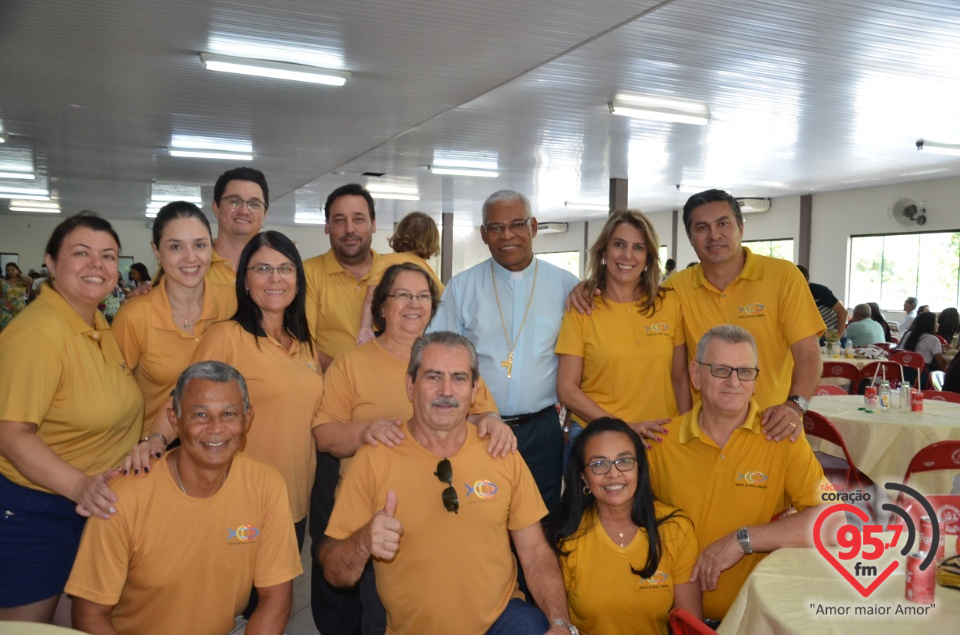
(508, 364)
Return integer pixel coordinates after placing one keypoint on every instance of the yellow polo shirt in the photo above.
(334, 303)
(68, 378)
(627, 357)
(366, 383)
(285, 390)
(155, 348)
(747, 482)
(386, 261)
(770, 299)
(221, 272)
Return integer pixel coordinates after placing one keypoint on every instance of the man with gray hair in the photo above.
(719, 469)
(910, 308)
(511, 307)
(197, 533)
(862, 330)
(437, 514)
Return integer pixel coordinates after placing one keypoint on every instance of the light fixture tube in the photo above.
(35, 210)
(659, 114)
(17, 175)
(590, 207)
(32, 193)
(395, 196)
(933, 147)
(277, 70)
(463, 172)
(206, 154)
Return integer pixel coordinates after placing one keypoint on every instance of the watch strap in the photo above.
(743, 537)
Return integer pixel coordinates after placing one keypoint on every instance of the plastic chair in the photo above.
(943, 341)
(942, 455)
(892, 370)
(941, 395)
(909, 360)
(683, 622)
(842, 370)
(816, 425)
(937, 378)
(825, 390)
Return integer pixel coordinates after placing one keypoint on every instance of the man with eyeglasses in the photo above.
(437, 514)
(511, 307)
(241, 198)
(719, 469)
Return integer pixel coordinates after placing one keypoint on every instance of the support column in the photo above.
(806, 222)
(618, 194)
(446, 232)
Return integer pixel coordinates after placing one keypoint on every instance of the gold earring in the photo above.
(586, 490)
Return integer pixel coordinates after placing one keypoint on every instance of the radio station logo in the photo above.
(863, 546)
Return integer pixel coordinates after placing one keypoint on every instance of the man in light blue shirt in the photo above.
(862, 330)
(510, 307)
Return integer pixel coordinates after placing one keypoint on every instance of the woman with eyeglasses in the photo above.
(159, 331)
(626, 557)
(365, 398)
(628, 359)
(269, 342)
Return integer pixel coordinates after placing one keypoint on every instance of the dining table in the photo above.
(798, 591)
(882, 442)
(859, 362)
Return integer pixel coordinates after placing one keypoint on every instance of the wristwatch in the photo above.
(801, 402)
(743, 536)
(567, 625)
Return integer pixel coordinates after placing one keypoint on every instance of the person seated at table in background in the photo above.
(14, 290)
(948, 324)
(627, 359)
(863, 331)
(717, 466)
(877, 316)
(182, 553)
(415, 240)
(139, 274)
(910, 308)
(437, 514)
(922, 339)
(626, 558)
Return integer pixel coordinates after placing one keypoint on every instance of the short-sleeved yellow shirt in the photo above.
(68, 378)
(155, 348)
(627, 357)
(605, 596)
(770, 299)
(747, 482)
(171, 563)
(221, 271)
(285, 390)
(367, 383)
(334, 303)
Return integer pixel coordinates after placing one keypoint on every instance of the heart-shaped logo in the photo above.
(883, 575)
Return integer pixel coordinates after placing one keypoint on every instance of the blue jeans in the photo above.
(575, 430)
(520, 618)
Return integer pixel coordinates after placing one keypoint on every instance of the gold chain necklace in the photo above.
(197, 311)
(508, 362)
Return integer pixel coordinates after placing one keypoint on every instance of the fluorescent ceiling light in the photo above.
(588, 206)
(35, 204)
(660, 109)
(24, 192)
(462, 171)
(277, 70)
(933, 147)
(207, 154)
(194, 142)
(309, 221)
(34, 210)
(3, 137)
(17, 175)
(169, 192)
(395, 196)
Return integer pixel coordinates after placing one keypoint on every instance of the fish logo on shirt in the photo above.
(243, 533)
(658, 578)
(483, 489)
(753, 478)
(657, 329)
(751, 309)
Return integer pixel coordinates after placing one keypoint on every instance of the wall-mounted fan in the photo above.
(907, 213)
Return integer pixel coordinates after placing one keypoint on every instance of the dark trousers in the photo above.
(336, 611)
(540, 443)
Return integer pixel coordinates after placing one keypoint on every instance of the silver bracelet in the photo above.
(159, 435)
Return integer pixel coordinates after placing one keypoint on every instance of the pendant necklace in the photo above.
(511, 345)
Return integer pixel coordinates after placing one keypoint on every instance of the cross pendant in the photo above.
(508, 364)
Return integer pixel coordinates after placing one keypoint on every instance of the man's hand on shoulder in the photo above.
(580, 300)
(143, 289)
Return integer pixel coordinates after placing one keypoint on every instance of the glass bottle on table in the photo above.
(884, 394)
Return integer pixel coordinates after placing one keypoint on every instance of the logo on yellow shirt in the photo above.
(752, 479)
(751, 310)
(483, 489)
(659, 578)
(657, 329)
(243, 533)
